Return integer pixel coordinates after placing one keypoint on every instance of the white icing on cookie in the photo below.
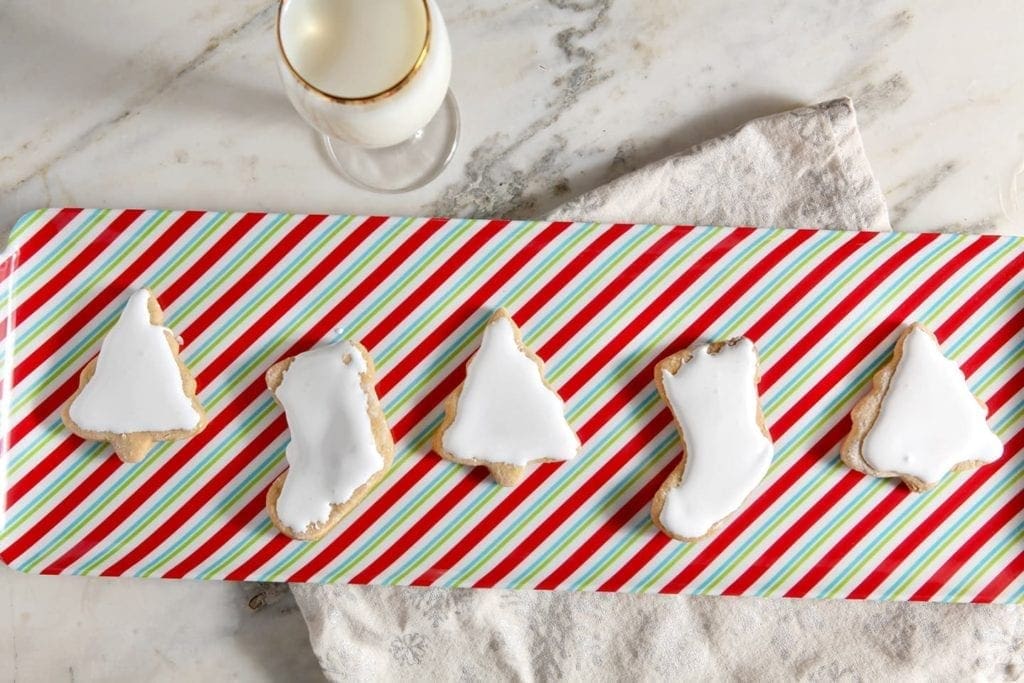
(137, 385)
(714, 398)
(928, 420)
(506, 413)
(332, 451)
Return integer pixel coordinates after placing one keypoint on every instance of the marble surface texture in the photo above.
(178, 105)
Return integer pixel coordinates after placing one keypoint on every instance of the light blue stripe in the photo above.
(981, 498)
(96, 328)
(515, 232)
(658, 453)
(914, 269)
(868, 548)
(108, 320)
(875, 486)
(247, 368)
(150, 461)
(76, 292)
(20, 224)
(998, 543)
(648, 400)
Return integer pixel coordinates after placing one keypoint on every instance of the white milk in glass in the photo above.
(368, 72)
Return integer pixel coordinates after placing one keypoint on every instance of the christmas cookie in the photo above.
(920, 419)
(505, 415)
(137, 391)
(340, 442)
(712, 393)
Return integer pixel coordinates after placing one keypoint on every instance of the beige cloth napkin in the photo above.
(801, 168)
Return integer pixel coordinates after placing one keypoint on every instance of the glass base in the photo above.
(406, 166)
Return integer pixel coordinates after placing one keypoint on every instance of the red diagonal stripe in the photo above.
(758, 506)
(524, 313)
(654, 545)
(757, 330)
(237, 464)
(366, 287)
(215, 309)
(435, 281)
(128, 277)
(623, 515)
(572, 384)
(1010, 573)
(638, 384)
(393, 493)
(219, 539)
(875, 339)
(965, 553)
(430, 402)
(558, 517)
(256, 388)
(643, 497)
(626, 276)
(42, 234)
(878, 513)
(954, 500)
(181, 514)
(219, 419)
(864, 348)
(84, 256)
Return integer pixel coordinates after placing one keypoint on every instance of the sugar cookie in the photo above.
(920, 420)
(505, 415)
(136, 391)
(340, 442)
(712, 393)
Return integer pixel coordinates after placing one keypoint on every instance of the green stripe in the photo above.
(693, 307)
(868, 495)
(853, 330)
(87, 344)
(98, 273)
(790, 269)
(517, 232)
(580, 466)
(65, 247)
(840, 584)
(1001, 548)
(245, 372)
(21, 226)
(434, 249)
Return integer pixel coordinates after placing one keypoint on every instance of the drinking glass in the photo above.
(372, 77)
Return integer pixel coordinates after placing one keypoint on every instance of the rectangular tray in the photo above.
(601, 303)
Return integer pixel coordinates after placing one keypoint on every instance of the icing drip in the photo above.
(928, 419)
(506, 413)
(332, 451)
(137, 384)
(714, 398)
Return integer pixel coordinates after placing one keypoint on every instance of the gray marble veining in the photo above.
(178, 105)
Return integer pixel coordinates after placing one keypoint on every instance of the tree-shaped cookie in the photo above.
(505, 415)
(920, 420)
(712, 393)
(137, 390)
(340, 442)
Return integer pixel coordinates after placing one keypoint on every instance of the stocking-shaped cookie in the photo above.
(505, 415)
(340, 442)
(137, 390)
(920, 419)
(712, 392)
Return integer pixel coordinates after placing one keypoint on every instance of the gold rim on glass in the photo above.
(387, 92)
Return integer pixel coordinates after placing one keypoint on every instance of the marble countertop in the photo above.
(178, 105)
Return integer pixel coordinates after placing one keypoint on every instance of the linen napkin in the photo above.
(804, 167)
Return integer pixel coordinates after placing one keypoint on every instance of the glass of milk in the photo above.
(372, 77)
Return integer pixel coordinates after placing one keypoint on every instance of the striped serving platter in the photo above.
(601, 303)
